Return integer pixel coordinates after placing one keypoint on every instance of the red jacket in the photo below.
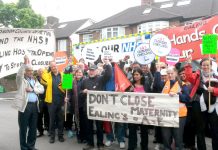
(194, 79)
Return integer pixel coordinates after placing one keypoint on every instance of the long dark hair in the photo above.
(139, 70)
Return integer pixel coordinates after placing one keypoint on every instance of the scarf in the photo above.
(76, 105)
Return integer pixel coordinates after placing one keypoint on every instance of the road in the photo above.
(9, 139)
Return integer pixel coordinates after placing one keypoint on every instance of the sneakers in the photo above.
(122, 145)
(40, 134)
(70, 134)
(88, 147)
(108, 143)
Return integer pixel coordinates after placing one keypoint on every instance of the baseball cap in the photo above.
(93, 67)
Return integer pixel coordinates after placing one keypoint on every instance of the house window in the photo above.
(87, 37)
(112, 32)
(152, 26)
(62, 45)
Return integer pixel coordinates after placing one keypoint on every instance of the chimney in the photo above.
(52, 20)
(146, 2)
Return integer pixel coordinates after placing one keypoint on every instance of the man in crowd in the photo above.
(95, 82)
(55, 98)
(26, 101)
(43, 116)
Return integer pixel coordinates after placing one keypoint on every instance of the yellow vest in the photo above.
(175, 89)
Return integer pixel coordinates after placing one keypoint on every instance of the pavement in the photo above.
(9, 132)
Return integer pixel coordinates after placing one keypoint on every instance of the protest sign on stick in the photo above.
(67, 84)
(209, 43)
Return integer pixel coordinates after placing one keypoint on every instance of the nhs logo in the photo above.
(130, 46)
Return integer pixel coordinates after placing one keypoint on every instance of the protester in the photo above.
(200, 94)
(55, 99)
(77, 104)
(173, 87)
(94, 82)
(43, 116)
(140, 86)
(26, 102)
(119, 128)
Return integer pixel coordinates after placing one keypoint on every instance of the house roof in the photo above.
(134, 15)
(66, 29)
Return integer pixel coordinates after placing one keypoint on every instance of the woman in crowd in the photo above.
(201, 109)
(77, 105)
(139, 86)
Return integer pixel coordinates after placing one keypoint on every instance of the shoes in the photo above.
(88, 147)
(40, 134)
(157, 147)
(52, 140)
(108, 143)
(70, 134)
(100, 147)
(81, 141)
(122, 145)
(61, 139)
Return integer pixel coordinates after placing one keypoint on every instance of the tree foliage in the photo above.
(23, 4)
(19, 15)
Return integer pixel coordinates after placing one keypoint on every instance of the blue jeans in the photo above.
(170, 133)
(119, 132)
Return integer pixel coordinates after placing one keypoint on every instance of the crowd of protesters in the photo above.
(197, 118)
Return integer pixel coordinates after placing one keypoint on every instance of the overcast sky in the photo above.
(69, 10)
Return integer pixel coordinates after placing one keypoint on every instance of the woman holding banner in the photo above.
(140, 86)
(201, 101)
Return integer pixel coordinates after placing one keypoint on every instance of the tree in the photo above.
(20, 15)
(23, 4)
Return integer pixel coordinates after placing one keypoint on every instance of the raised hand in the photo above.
(26, 60)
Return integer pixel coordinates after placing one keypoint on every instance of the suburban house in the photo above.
(150, 16)
(65, 32)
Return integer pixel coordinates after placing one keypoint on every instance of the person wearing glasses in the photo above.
(26, 102)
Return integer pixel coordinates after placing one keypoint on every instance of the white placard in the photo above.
(160, 45)
(38, 44)
(143, 54)
(131, 107)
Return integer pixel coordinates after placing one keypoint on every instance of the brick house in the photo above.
(150, 16)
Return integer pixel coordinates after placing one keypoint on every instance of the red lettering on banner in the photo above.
(188, 38)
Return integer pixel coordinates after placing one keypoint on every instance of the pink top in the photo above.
(139, 89)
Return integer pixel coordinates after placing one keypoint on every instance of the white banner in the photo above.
(115, 49)
(38, 44)
(130, 107)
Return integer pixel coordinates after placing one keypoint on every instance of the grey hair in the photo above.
(28, 67)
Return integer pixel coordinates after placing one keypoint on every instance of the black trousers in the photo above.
(43, 117)
(82, 133)
(68, 124)
(199, 118)
(213, 120)
(27, 121)
(133, 136)
(189, 130)
(90, 135)
(56, 115)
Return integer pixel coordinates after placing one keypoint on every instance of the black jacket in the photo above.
(97, 83)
